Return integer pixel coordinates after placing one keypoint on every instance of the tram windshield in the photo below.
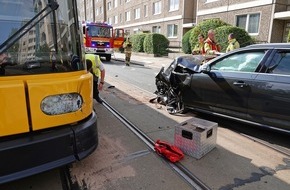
(39, 37)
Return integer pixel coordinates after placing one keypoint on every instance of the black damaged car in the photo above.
(250, 84)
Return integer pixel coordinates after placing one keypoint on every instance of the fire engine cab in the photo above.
(100, 38)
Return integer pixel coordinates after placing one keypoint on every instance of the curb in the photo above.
(132, 61)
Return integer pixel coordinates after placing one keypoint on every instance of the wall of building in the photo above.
(145, 23)
(184, 17)
(228, 10)
(193, 12)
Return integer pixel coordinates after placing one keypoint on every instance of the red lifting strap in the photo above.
(171, 152)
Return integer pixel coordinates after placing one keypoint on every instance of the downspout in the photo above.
(105, 19)
(196, 9)
(94, 12)
(182, 29)
(85, 9)
(272, 21)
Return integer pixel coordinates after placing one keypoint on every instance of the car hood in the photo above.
(191, 62)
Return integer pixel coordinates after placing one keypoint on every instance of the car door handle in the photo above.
(241, 84)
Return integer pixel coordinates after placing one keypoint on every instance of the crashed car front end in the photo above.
(174, 80)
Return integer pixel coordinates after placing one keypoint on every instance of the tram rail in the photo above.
(180, 169)
(177, 167)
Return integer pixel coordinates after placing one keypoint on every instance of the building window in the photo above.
(249, 22)
(115, 3)
(172, 30)
(136, 30)
(116, 19)
(121, 18)
(109, 5)
(126, 1)
(173, 5)
(145, 10)
(127, 16)
(137, 13)
(157, 8)
(127, 32)
(97, 12)
(101, 10)
(156, 29)
(209, 1)
(110, 20)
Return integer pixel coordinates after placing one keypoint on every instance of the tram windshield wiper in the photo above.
(50, 7)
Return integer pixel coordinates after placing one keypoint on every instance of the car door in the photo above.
(269, 102)
(226, 88)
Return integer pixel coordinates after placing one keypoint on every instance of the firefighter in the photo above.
(199, 48)
(233, 43)
(128, 51)
(96, 67)
(210, 45)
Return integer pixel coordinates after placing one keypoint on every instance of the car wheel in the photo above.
(175, 104)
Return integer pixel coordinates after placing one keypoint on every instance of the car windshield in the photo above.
(37, 37)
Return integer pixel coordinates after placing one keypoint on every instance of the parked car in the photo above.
(250, 84)
(31, 64)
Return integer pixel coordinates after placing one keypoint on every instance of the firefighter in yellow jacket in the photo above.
(233, 43)
(128, 51)
(96, 67)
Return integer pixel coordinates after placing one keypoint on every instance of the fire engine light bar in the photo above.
(61, 103)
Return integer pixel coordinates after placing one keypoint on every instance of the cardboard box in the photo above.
(196, 137)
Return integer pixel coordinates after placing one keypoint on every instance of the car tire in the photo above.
(175, 104)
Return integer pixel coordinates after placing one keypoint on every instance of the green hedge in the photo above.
(222, 30)
(137, 42)
(186, 47)
(155, 44)
(221, 34)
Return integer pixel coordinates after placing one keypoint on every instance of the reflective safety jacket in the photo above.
(127, 47)
(96, 64)
(199, 49)
(233, 44)
(210, 45)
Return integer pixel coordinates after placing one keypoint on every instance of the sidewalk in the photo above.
(144, 59)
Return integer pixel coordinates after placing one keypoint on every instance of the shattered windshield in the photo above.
(38, 36)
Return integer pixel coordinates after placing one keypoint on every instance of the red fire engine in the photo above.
(100, 38)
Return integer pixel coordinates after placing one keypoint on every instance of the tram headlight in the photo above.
(61, 103)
